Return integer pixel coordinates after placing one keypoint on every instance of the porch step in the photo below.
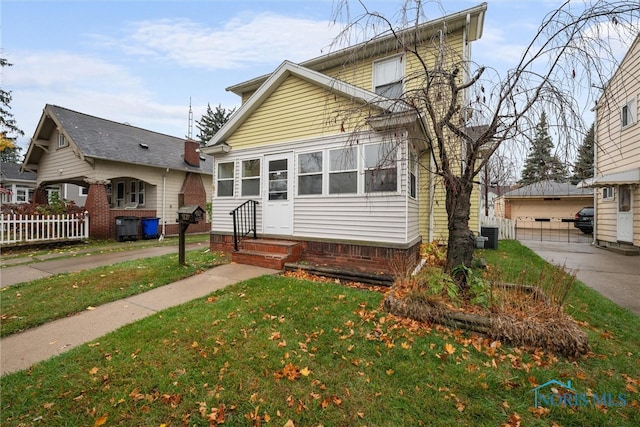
(267, 253)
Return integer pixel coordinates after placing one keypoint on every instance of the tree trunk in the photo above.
(461, 239)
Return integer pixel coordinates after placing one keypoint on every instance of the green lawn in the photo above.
(34, 303)
(274, 349)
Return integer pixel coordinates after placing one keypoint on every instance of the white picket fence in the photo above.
(506, 227)
(24, 229)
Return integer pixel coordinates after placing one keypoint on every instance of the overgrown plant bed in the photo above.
(556, 332)
(527, 315)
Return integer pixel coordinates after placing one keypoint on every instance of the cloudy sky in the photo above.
(142, 62)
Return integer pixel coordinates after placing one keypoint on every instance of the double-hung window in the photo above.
(136, 193)
(310, 173)
(250, 177)
(62, 141)
(388, 77)
(629, 113)
(343, 171)
(380, 167)
(225, 179)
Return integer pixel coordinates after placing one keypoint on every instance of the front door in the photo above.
(625, 214)
(278, 199)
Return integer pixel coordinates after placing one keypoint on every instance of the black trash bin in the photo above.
(127, 228)
(149, 227)
(491, 233)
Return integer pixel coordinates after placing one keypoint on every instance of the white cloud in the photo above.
(241, 42)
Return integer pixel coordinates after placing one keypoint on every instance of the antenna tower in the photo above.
(190, 131)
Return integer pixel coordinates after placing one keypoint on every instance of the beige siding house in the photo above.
(617, 157)
(547, 201)
(124, 170)
(347, 186)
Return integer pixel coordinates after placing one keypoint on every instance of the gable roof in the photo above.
(549, 189)
(11, 172)
(281, 73)
(472, 18)
(98, 138)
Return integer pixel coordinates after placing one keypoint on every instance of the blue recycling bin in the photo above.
(149, 227)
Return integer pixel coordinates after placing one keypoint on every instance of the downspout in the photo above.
(595, 189)
(164, 204)
(432, 188)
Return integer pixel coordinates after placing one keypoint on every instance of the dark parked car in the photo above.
(584, 220)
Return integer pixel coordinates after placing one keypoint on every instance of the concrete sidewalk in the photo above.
(615, 276)
(20, 351)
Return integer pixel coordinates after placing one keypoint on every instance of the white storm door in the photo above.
(278, 198)
(625, 214)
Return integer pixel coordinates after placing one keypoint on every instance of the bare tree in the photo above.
(571, 54)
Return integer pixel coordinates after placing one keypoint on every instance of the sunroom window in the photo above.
(250, 177)
(225, 179)
(381, 167)
(310, 173)
(413, 175)
(343, 171)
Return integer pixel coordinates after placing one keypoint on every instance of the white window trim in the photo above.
(412, 169)
(397, 167)
(357, 170)
(323, 172)
(249, 178)
(233, 179)
(376, 81)
(62, 140)
(608, 197)
(631, 107)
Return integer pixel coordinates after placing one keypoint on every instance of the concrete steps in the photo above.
(267, 253)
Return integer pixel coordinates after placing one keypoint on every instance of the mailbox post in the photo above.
(187, 215)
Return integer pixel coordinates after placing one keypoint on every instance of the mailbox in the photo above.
(191, 214)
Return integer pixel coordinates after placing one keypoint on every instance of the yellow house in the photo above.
(333, 160)
(617, 158)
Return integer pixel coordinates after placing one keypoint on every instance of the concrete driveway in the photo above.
(613, 275)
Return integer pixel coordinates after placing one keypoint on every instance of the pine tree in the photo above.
(540, 164)
(9, 131)
(212, 121)
(583, 167)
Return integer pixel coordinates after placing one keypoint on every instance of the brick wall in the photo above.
(97, 205)
(372, 259)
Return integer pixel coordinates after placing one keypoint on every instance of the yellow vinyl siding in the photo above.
(296, 110)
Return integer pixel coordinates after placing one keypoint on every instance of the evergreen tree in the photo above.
(9, 131)
(212, 121)
(540, 164)
(583, 167)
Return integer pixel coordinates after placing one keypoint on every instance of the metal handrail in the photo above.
(244, 222)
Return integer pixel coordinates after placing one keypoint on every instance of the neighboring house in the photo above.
(547, 201)
(617, 157)
(18, 186)
(126, 170)
(351, 198)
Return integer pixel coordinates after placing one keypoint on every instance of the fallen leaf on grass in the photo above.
(100, 421)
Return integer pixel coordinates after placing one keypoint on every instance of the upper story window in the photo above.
(62, 141)
(629, 113)
(250, 185)
(225, 179)
(388, 77)
(381, 167)
(343, 171)
(310, 173)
